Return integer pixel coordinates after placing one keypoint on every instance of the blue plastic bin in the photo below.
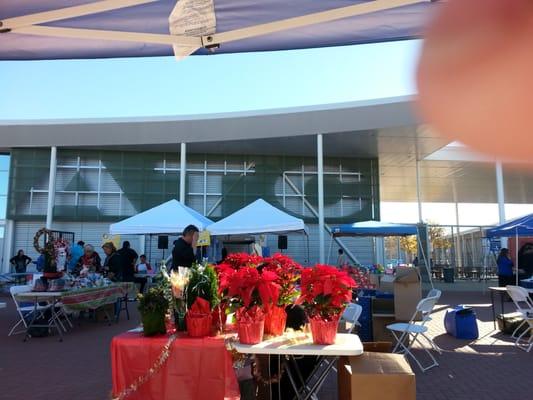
(461, 322)
(365, 330)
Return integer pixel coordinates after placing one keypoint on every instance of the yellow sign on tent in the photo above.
(115, 239)
(204, 239)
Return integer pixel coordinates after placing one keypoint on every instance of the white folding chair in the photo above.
(22, 310)
(524, 305)
(351, 315)
(411, 330)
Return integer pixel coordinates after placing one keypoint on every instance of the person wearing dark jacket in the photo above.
(129, 258)
(505, 269)
(20, 261)
(183, 251)
(525, 261)
(113, 263)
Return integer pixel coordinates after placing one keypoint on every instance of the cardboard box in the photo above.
(382, 306)
(380, 333)
(377, 347)
(376, 376)
(386, 283)
(374, 280)
(407, 293)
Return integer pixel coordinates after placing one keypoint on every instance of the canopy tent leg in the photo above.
(150, 249)
(516, 254)
(425, 257)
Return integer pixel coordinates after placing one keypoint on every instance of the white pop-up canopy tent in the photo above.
(167, 218)
(257, 218)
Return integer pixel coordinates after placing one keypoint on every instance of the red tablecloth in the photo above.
(196, 369)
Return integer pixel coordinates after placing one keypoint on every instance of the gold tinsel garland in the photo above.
(154, 369)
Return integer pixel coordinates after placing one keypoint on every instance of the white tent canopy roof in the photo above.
(169, 217)
(257, 218)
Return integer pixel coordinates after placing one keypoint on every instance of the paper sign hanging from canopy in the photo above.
(204, 239)
(191, 18)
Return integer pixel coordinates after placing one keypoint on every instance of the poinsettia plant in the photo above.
(240, 260)
(288, 272)
(325, 291)
(248, 287)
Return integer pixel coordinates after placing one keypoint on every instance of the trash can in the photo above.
(461, 322)
(448, 274)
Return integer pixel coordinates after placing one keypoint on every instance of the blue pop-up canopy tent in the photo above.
(375, 228)
(55, 29)
(522, 226)
(380, 229)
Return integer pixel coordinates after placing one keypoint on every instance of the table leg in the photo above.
(55, 317)
(493, 308)
(502, 295)
(30, 325)
(321, 378)
(291, 378)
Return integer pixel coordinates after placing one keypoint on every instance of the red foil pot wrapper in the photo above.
(324, 331)
(198, 325)
(250, 332)
(275, 321)
(250, 325)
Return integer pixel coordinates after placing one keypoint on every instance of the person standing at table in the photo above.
(129, 258)
(76, 253)
(88, 262)
(505, 268)
(341, 259)
(183, 251)
(144, 268)
(20, 262)
(113, 263)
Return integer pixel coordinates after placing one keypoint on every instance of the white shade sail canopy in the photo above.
(169, 217)
(257, 218)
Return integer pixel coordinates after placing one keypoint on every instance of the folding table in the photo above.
(49, 297)
(501, 291)
(301, 344)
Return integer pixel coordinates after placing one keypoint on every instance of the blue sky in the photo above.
(205, 84)
(137, 87)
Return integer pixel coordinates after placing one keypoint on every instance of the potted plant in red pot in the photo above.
(251, 292)
(288, 272)
(325, 291)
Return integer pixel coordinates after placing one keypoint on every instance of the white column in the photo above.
(500, 193)
(183, 171)
(321, 223)
(418, 195)
(51, 188)
(9, 233)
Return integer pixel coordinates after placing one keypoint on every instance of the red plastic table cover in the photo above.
(197, 368)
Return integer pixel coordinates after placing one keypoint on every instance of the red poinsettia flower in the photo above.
(325, 290)
(288, 272)
(248, 286)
